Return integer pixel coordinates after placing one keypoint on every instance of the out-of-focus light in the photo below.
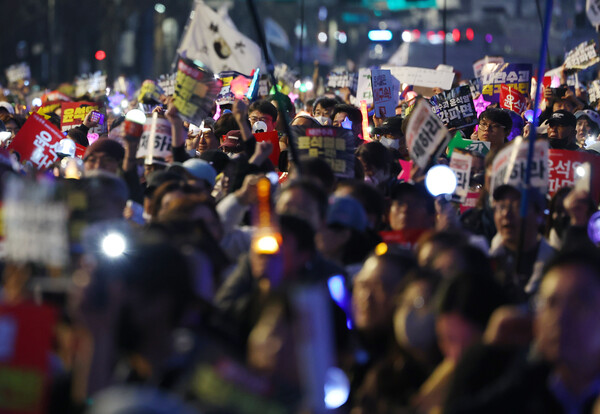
(160, 8)
(382, 25)
(36, 102)
(343, 38)
(407, 36)
(470, 34)
(580, 171)
(594, 227)
(267, 244)
(322, 37)
(380, 35)
(322, 13)
(456, 35)
(337, 289)
(489, 38)
(114, 245)
(297, 84)
(381, 249)
(440, 179)
(137, 116)
(309, 86)
(124, 103)
(416, 35)
(441, 34)
(430, 35)
(337, 388)
(100, 55)
(116, 110)
(378, 49)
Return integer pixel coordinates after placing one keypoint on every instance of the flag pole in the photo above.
(532, 134)
(278, 95)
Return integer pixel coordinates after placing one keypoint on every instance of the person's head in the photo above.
(563, 104)
(165, 194)
(207, 140)
(12, 123)
(587, 127)
(198, 173)
(343, 111)
(224, 124)
(195, 207)
(263, 111)
(376, 161)
(373, 290)
(317, 170)
(106, 194)
(412, 207)
(390, 134)
(507, 202)
(288, 106)
(305, 120)
(495, 125)
(323, 107)
(561, 129)
(304, 199)
(104, 154)
(370, 197)
(567, 317)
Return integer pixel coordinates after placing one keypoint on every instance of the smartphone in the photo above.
(97, 117)
(559, 92)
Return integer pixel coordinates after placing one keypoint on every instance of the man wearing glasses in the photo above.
(494, 126)
(263, 111)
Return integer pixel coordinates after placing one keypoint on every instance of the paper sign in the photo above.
(263, 86)
(455, 108)
(48, 109)
(592, 9)
(515, 75)
(386, 91)
(73, 114)
(562, 170)
(26, 333)
(273, 138)
(486, 65)
(155, 140)
(429, 78)
(334, 145)
(19, 72)
(424, 134)
(364, 91)
(167, 84)
(594, 93)
(37, 142)
(93, 83)
(470, 201)
(336, 80)
(511, 162)
(149, 92)
(195, 91)
(512, 99)
(458, 142)
(582, 57)
(461, 163)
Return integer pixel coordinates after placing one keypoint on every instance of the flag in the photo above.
(213, 41)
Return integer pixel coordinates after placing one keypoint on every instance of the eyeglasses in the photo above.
(492, 127)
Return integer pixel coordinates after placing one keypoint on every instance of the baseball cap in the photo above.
(8, 107)
(562, 118)
(200, 169)
(232, 142)
(157, 178)
(591, 115)
(347, 212)
(535, 196)
(391, 125)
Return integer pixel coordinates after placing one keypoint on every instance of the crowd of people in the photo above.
(424, 309)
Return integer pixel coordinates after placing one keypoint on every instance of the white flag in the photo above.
(218, 45)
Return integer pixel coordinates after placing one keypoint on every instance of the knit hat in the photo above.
(108, 146)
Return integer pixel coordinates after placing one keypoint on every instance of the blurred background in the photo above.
(61, 39)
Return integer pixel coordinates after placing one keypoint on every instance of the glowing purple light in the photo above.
(489, 38)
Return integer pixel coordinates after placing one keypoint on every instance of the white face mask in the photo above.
(259, 126)
(390, 143)
(323, 120)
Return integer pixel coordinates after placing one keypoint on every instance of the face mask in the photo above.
(259, 126)
(390, 143)
(558, 143)
(420, 329)
(323, 120)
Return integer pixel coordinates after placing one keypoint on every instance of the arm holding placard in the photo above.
(177, 133)
(240, 113)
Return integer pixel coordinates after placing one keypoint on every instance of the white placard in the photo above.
(592, 9)
(157, 130)
(429, 78)
(461, 163)
(386, 91)
(364, 91)
(424, 134)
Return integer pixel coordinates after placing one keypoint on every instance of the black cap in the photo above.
(562, 118)
(157, 178)
(391, 125)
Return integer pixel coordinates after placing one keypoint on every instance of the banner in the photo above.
(26, 334)
(36, 142)
(217, 44)
(334, 145)
(486, 65)
(461, 163)
(512, 99)
(563, 170)
(515, 75)
(155, 140)
(425, 133)
(273, 138)
(455, 108)
(592, 9)
(386, 91)
(511, 162)
(582, 57)
(195, 91)
(429, 78)
(364, 90)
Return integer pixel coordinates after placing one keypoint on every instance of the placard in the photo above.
(150, 91)
(155, 140)
(425, 133)
(592, 9)
(582, 57)
(461, 163)
(563, 170)
(512, 99)
(364, 90)
(458, 142)
(36, 142)
(594, 93)
(18, 72)
(486, 65)
(94, 83)
(429, 78)
(338, 80)
(167, 83)
(386, 91)
(515, 75)
(235, 86)
(334, 145)
(73, 114)
(455, 108)
(273, 138)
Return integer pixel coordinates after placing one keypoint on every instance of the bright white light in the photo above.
(309, 85)
(267, 245)
(436, 39)
(116, 110)
(4, 135)
(160, 8)
(406, 36)
(124, 103)
(322, 37)
(36, 102)
(66, 146)
(137, 116)
(113, 245)
(297, 84)
(337, 388)
(580, 171)
(380, 35)
(440, 179)
(343, 38)
(382, 25)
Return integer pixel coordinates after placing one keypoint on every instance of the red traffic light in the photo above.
(100, 55)
(470, 34)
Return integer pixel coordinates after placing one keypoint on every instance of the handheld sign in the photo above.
(364, 90)
(155, 140)
(458, 142)
(455, 108)
(461, 163)
(273, 138)
(563, 170)
(37, 142)
(486, 65)
(386, 90)
(517, 76)
(512, 99)
(592, 9)
(428, 78)
(425, 133)
(73, 114)
(582, 57)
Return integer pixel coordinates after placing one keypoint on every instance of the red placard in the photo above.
(73, 113)
(562, 167)
(470, 201)
(273, 138)
(512, 99)
(26, 332)
(37, 141)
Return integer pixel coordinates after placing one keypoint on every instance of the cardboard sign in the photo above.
(386, 91)
(94, 83)
(155, 140)
(18, 72)
(37, 141)
(486, 65)
(461, 163)
(563, 166)
(264, 86)
(334, 145)
(511, 162)
(425, 133)
(273, 138)
(594, 93)
(235, 86)
(592, 9)
(167, 84)
(515, 75)
(26, 333)
(364, 90)
(455, 108)
(428, 78)
(458, 142)
(195, 91)
(582, 57)
(512, 99)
